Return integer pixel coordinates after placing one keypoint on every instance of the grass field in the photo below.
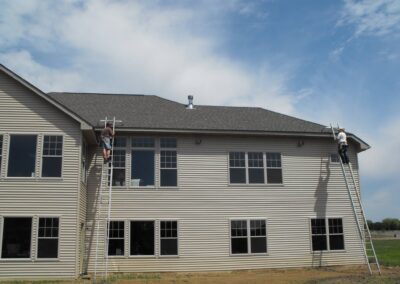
(388, 252)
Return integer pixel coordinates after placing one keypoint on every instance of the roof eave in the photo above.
(83, 124)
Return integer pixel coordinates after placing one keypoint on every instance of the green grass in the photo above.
(388, 252)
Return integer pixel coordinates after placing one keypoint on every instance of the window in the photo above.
(16, 237)
(1, 151)
(320, 240)
(48, 238)
(52, 156)
(335, 158)
(237, 167)
(142, 171)
(142, 238)
(168, 238)
(336, 237)
(168, 163)
(116, 239)
(274, 168)
(256, 167)
(22, 156)
(248, 236)
(119, 159)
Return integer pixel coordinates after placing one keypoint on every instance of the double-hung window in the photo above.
(116, 240)
(168, 162)
(237, 167)
(256, 167)
(274, 168)
(248, 236)
(48, 238)
(168, 237)
(143, 165)
(323, 239)
(119, 161)
(22, 156)
(17, 236)
(52, 156)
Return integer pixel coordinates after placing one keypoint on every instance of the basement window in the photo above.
(22, 156)
(48, 238)
(323, 239)
(116, 241)
(142, 238)
(17, 232)
(52, 156)
(168, 238)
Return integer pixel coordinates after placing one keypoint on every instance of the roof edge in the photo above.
(84, 124)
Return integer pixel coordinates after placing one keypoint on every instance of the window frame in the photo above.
(37, 258)
(126, 149)
(37, 154)
(248, 236)
(48, 156)
(106, 255)
(131, 148)
(174, 149)
(334, 162)
(327, 234)
(177, 238)
(265, 168)
(154, 240)
(31, 253)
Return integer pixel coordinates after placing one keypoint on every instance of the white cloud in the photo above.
(133, 47)
(372, 17)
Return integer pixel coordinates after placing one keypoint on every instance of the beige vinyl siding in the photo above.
(23, 112)
(204, 203)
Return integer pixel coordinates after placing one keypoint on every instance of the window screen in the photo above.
(258, 236)
(274, 168)
(318, 232)
(336, 236)
(168, 237)
(116, 241)
(239, 236)
(237, 167)
(255, 167)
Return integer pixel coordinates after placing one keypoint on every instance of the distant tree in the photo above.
(378, 226)
(391, 224)
(370, 225)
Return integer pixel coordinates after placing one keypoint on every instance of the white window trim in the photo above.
(177, 238)
(58, 156)
(248, 219)
(265, 168)
(106, 239)
(31, 258)
(36, 158)
(154, 241)
(326, 218)
(37, 238)
(126, 149)
(177, 167)
(131, 149)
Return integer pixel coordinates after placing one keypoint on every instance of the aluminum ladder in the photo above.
(358, 209)
(105, 197)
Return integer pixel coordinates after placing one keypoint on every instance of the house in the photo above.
(194, 189)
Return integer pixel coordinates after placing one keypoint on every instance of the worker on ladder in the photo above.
(342, 146)
(106, 135)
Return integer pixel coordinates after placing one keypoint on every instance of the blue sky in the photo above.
(326, 61)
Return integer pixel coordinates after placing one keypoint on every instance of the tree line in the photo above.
(387, 224)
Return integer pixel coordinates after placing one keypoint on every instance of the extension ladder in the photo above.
(105, 197)
(362, 224)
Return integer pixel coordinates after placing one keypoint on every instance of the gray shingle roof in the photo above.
(153, 112)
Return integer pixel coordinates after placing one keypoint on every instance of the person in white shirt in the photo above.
(342, 143)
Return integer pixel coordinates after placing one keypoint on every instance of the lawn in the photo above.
(388, 252)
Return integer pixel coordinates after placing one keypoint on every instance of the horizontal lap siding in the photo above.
(22, 111)
(205, 202)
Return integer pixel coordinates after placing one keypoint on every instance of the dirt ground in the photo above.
(330, 275)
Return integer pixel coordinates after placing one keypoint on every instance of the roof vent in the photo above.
(190, 104)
